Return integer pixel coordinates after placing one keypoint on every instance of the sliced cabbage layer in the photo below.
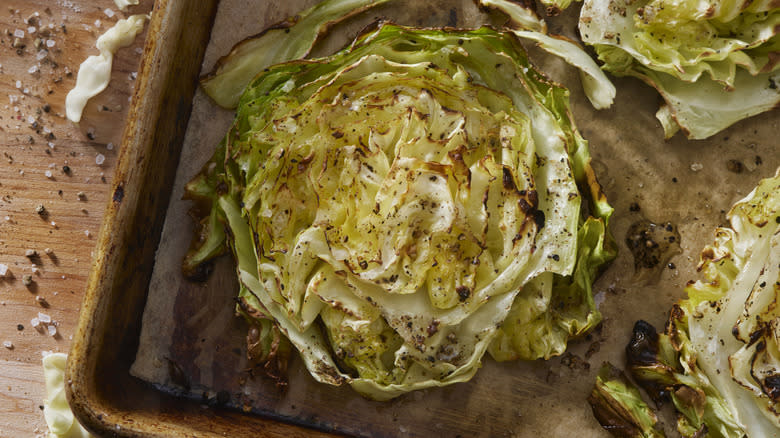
(714, 62)
(405, 205)
(718, 360)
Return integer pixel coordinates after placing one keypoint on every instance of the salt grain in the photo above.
(99, 159)
(30, 119)
(50, 43)
(86, 233)
(110, 146)
(97, 23)
(109, 13)
(51, 145)
(31, 30)
(41, 54)
(18, 84)
(19, 33)
(35, 323)
(33, 69)
(44, 318)
(697, 167)
(3, 270)
(52, 330)
(8, 344)
(48, 174)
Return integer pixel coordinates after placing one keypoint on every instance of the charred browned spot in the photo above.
(463, 293)
(433, 327)
(771, 385)
(119, 194)
(508, 180)
(533, 198)
(524, 205)
(539, 219)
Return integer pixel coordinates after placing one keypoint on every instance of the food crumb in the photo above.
(697, 167)
(27, 280)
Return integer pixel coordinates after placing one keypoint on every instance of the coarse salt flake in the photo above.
(48, 174)
(18, 84)
(50, 43)
(109, 13)
(41, 54)
(3, 270)
(8, 344)
(35, 322)
(31, 30)
(19, 33)
(52, 330)
(44, 318)
(100, 159)
(110, 146)
(32, 69)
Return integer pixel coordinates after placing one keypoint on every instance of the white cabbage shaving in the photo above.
(95, 72)
(56, 411)
(123, 4)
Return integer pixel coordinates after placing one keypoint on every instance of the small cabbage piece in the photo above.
(713, 62)
(718, 359)
(285, 41)
(619, 407)
(403, 206)
(56, 411)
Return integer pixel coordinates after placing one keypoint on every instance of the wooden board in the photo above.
(29, 148)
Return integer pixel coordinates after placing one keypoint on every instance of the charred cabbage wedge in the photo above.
(401, 207)
(718, 360)
(713, 62)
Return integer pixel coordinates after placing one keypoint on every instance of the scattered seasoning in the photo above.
(41, 301)
(41, 210)
(31, 253)
(44, 318)
(734, 166)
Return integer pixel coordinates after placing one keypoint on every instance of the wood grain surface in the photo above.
(66, 168)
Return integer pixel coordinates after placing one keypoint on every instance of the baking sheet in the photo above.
(192, 343)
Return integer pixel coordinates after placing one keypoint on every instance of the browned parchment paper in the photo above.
(192, 343)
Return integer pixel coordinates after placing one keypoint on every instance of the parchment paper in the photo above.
(193, 344)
